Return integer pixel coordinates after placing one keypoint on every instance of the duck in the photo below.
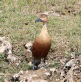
(42, 43)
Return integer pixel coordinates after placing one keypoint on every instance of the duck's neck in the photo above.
(44, 28)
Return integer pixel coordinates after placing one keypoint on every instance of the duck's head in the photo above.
(43, 18)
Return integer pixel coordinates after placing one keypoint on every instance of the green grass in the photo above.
(2, 78)
(54, 64)
(65, 31)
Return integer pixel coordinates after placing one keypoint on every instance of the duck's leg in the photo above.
(45, 62)
(45, 59)
(35, 63)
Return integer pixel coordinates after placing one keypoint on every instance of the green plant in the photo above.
(54, 64)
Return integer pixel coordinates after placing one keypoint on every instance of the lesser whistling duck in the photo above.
(42, 43)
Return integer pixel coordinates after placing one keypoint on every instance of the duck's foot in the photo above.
(35, 64)
(35, 67)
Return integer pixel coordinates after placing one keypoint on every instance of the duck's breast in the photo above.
(41, 47)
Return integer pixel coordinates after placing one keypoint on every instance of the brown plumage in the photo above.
(42, 43)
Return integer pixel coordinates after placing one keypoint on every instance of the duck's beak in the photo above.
(38, 20)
